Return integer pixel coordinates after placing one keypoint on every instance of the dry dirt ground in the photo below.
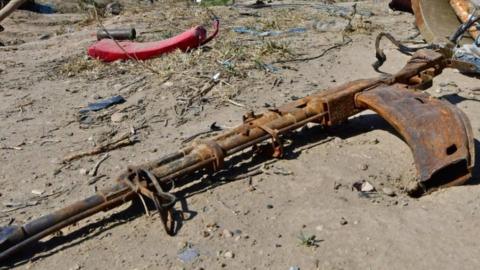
(239, 224)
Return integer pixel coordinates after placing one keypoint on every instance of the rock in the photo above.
(319, 228)
(363, 186)
(343, 221)
(269, 206)
(227, 234)
(118, 117)
(167, 84)
(294, 268)
(83, 171)
(229, 255)
(367, 187)
(37, 192)
(389, 192)
(363, 167)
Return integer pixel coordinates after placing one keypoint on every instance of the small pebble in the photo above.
(37, 192)
(83, 171)
(269, 206)
(389, 192)
(343, 221)
(229, 255)
(227, 234)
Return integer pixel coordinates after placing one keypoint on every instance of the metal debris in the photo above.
(415, 115)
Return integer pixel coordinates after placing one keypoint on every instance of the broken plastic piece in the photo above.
(102, 104)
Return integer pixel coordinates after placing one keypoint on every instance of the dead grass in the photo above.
(231, 54)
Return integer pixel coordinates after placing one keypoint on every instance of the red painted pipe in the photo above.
(109, 50)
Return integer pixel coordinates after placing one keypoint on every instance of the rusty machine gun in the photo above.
(438, 133)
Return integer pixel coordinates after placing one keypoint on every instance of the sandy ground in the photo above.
(46, 79)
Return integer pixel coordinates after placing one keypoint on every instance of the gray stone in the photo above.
(229, 255)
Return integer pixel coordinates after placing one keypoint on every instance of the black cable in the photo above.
(380, 55)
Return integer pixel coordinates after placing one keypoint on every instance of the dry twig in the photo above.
(124, 140)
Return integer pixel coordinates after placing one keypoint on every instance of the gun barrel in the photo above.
(48, 224)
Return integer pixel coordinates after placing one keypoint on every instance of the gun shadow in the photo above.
(237, 166)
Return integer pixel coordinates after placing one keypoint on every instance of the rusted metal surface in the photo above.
(463, 9)
(433, 129)
(435, 19)
(438, 133)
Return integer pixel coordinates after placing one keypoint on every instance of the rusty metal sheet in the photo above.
(463, 8)
(435, 19)
(435, 130)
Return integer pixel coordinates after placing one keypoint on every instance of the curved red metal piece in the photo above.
(109, 50)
